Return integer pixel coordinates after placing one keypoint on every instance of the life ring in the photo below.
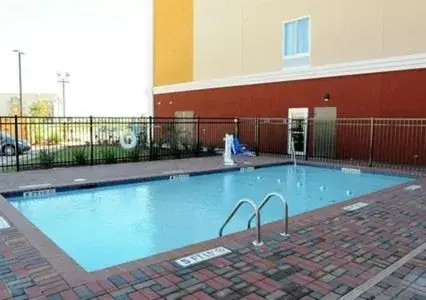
(133, 140)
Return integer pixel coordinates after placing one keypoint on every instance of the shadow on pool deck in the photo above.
(329, 254)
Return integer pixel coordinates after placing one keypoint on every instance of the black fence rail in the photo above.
(33, 142)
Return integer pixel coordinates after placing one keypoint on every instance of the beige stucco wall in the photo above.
(234, 37)
(217, 38)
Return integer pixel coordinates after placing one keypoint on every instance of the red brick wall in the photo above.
(392, 94)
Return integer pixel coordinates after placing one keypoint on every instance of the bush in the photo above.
(80, 156)
(46, 158)
(211, 148)
(188, 144)
(38, 137)
(134, 154)
(109, 156)
(54, 137)
(157, 143)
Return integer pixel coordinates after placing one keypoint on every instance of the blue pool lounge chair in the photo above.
(240, 149)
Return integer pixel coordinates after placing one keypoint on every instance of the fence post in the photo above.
(371, 146)
(237, 127)
(91, 141)
(198, 145)
(150, 138)
(16, 143)
(307, 139)
(256, 135)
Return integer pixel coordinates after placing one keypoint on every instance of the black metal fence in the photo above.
(33, 142)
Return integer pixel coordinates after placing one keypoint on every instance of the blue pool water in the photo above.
(106, 226)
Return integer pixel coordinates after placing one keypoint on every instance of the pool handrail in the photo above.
(293, 150)
(256, 214)
(266, 200)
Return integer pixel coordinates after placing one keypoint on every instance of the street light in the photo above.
(20, 53)
(63, 79)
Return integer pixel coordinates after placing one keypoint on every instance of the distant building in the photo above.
(9, 103)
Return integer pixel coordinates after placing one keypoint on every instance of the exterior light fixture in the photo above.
(326, 97)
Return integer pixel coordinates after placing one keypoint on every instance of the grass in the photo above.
(102, 154)
(67, 155)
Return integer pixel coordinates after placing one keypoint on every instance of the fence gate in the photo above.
(185, 127)
(298, 130)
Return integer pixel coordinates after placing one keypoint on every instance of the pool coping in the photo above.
(74, 274)
(135, 179)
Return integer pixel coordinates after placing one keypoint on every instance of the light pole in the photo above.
(20, 53)
(63, 79)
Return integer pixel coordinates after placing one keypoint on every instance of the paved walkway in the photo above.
(407, 282)
(330, 254)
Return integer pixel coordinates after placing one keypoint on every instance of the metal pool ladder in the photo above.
(293, 150)
(263, 203)
(256, 214)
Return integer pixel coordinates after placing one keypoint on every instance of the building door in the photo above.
(297, 130)
(185, 125)
(325, 132)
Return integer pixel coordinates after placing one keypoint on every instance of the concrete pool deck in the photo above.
(376, 252)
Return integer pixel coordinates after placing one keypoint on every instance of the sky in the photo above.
(105, 45)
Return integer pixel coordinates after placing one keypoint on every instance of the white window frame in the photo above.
(295, 56)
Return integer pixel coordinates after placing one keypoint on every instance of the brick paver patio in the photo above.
(329, 254)
(407, 282)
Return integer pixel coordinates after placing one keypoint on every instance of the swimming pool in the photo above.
(106, 226)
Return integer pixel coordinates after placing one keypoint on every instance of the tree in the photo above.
(14, 106)
(41, 108)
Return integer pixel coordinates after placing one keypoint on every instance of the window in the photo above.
(296, 42)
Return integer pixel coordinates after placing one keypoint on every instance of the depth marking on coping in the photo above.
(358, 291)
(247, 169)
(355, 206)
(202, 256)
(3, 223)
(179, 177)
(351, 170)
(38, 193)
(413, 187)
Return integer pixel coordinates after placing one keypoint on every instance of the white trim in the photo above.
(399, 63)
(296, 19)
(300, 55)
